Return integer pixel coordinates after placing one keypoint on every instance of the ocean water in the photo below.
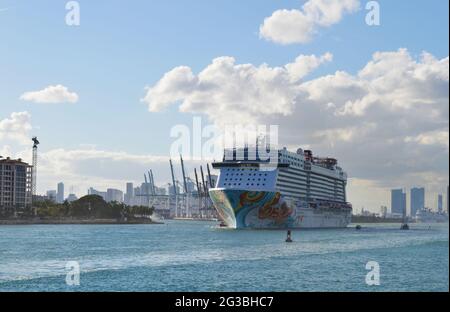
(198, 256)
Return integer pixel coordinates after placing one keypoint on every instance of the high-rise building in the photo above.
(417, 199)
(60, 193)
(145, 189)
(439, 203)
(448, 211)
(128, 198)
(398, 201)
(15, 184)
(114, 195)
(51, 195)
(130, 188)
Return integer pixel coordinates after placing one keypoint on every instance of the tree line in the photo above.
(90, 207)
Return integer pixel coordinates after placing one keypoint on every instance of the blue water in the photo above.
(197, 256)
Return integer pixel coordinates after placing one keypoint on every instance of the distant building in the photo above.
(93, 191)
(417, 200)
(71, 198)
(448, 201)
(160, 190)
(190, 186)
(398, 201)
(440, 203)
(383, 211)
(130, 188)
(366, 213)
(394, 216)
(171, 191)
(60, 193)
(145, 189)
(114, 195)
(51, 195)
(129, 195)
(15, 185)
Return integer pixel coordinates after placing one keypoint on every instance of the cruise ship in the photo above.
(426, 215)
(299, 190)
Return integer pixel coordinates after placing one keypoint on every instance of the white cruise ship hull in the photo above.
(241, 209)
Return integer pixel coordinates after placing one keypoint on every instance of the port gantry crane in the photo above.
(182, 202)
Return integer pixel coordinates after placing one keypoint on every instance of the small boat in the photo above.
(404, 226)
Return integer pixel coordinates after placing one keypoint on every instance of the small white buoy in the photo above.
(289, 238)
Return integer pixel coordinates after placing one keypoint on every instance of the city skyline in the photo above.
(104, 130)
(407, 200)
(415, 199)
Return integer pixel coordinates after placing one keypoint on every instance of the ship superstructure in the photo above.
(296, 190)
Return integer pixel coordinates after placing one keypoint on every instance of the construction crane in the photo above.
(146, 185)
(34, 170)
(151, 188)
(199, 191)
(153, 182)
(173, 178)
(205, 189)
(184, 175)
(209, 177)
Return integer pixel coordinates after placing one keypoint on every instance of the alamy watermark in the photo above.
(73, 274)
(73, 13)
(239, 142)
(373, 16)
(373, 277)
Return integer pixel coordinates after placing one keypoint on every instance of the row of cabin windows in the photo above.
(241, 174)
(248, 184)
(249, 179)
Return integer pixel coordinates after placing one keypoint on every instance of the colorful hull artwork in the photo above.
(241, 209)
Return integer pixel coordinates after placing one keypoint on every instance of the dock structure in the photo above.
(188, 199)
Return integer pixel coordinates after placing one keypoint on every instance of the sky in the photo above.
(103, 96)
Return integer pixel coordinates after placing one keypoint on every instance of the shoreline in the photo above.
(75, 222)
(370, 219)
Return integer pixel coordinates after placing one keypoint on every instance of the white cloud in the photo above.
(386, 123)
(51, 94)
(224, 88)
(346, 134)
(396, 80)
(299, 26)
(304, 64)
(85, 167)
(16, 128)
(437, 137)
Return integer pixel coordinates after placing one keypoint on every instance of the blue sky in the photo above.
(123, 46)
